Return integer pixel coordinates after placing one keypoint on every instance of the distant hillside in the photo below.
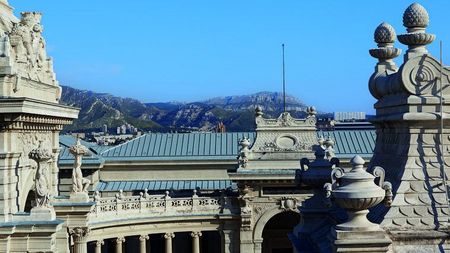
(236, 112)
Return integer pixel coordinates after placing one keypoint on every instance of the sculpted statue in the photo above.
(41, 156)
(79, 184)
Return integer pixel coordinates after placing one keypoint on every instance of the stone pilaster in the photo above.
(143, 243)
(168, 242)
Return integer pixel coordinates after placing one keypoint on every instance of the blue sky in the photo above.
(192, 50)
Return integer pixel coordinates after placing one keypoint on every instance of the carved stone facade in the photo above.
(412, 138)
(30, 121)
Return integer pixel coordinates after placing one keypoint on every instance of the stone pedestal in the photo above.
(42, 213)
(79, 197)
(360, 241)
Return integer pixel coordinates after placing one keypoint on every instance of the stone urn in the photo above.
(356, 192)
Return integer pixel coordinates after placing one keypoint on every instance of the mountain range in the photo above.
(236, 112)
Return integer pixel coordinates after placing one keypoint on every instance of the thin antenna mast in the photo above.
(444, 175)
(284, 82)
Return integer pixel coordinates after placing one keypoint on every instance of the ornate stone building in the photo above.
(286, 187)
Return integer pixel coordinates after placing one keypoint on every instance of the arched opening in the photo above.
(275, 233)
(31, 199)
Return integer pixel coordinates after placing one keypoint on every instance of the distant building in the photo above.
(349, 116)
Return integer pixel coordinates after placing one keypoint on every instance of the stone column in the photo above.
(196, 241)
(168, 241)
(142, 243)
(79, 235)
(119, 242)
(98, 246)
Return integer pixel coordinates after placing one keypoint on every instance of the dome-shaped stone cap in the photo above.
(415, 16)
(384, 33)
(357, 160)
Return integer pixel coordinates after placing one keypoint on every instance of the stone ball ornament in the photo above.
(356, 192)
(416, 16)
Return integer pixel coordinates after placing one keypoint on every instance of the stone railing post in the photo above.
(79, 235)
(167, 202)
(196, 241)
(143, 243)
(97, 202)
(168, 242)
(194, 200)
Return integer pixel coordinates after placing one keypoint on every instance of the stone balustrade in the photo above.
(145, 205)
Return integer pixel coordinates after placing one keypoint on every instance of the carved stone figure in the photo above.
(41, 181)
(79, 184)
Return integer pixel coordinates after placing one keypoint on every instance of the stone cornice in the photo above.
(36, 107)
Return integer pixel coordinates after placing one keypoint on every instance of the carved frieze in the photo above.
(31, 122)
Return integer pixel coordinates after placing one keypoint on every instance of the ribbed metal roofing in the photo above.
(349, 143)
(179, 146)
(208, 146)
(160, 185)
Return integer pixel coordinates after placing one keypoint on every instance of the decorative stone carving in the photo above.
(243, 153)
(79, 184)
(196, 234)
(329, 151)
(415, 16)
(246, 209)
(169, 235)
(288, 204)
(143, 237)
(29, 49)
(415, 19)
(384, 36)
(99, 243)
(42, 183)
(356, 192)
(79, 233)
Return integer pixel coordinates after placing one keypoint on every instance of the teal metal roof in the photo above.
(179, 146)
(349, 143)
(65, 157)
(206, 146)
(165, 185)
